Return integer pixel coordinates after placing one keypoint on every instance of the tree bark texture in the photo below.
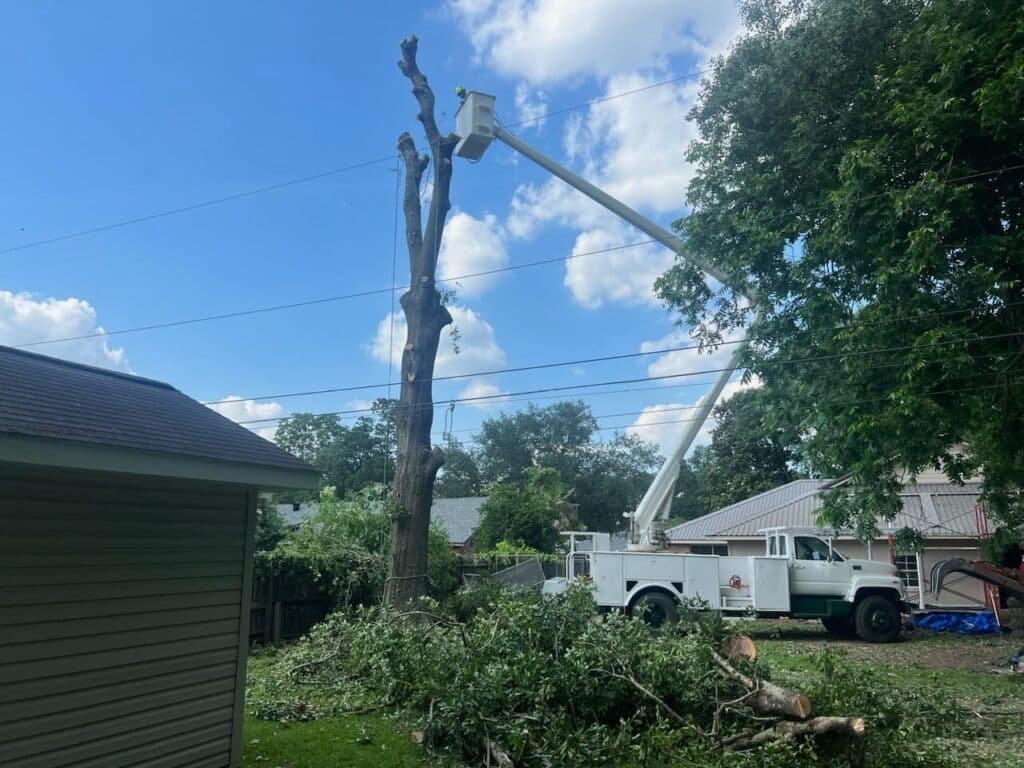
(767, 698)
(417, 461)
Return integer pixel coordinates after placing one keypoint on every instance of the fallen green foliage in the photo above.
(551, 683)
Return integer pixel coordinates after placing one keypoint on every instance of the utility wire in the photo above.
(602, 99)
(194, 206)
(688, 421)
(512, 397)
(313, 177)
(452, 377)
(376, 291)
(327, 299)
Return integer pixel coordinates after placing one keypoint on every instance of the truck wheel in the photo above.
(877, 619)
(656, 609)
(840, 626)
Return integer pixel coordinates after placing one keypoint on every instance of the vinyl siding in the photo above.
(120, 603)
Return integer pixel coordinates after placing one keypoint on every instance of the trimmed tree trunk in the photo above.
(417, 461)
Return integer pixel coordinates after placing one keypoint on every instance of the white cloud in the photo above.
(531, 106)
(624, 275)
(25, 319)
(549, 41)
(472, 245)
(238, 410)
(688, 360)
(477, 388)
(634, 149)
(663, 424)
(478, 348)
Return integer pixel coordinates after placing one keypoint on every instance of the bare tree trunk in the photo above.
(417, 462)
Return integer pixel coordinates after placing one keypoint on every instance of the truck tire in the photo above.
(877, 619)
(840, 626)
(656, 609)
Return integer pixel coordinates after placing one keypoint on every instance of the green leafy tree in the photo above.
(351, 457)
(460, 475)
(690, 500)
(607, 478)
(859, 171)
(524, 515)
(746, 456)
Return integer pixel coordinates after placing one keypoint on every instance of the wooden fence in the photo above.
(284, 607)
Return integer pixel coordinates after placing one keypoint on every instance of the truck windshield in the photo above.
(813, 548)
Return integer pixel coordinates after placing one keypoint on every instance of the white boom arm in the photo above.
(476, 129)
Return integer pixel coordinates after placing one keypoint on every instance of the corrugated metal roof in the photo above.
(934, 509)
(50, 398)
(705, 527)
(460, 517)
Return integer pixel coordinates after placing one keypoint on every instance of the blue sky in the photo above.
(118, 110)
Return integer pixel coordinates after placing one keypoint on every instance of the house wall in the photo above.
(959, 591)
(124, 630)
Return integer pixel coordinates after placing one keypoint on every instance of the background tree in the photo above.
(351, 457)
(746, 455)
(690, 500)
(860, 165)
(607, 479)
(417, 462)
(524, 515)
(460, 475)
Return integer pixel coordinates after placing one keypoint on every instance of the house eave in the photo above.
(70, 454)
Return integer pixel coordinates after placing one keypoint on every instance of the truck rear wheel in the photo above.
(877, 619)
(656, 609)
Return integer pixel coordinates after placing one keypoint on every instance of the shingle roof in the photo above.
(460, 517)
(934, 509)
(45, 397)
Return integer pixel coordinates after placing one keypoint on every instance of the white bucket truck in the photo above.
(799, 575)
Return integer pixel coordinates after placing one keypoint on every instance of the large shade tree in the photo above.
(861, 167)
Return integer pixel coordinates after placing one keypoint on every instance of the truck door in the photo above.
(813, 573)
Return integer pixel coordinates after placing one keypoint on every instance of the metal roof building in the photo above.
(128, 512)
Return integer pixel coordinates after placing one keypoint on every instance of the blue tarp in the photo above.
(961, 623)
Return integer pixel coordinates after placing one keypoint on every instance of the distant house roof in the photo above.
(933, 509)
(295, 513)
(707, 526)
(460, 517)
(50, 407)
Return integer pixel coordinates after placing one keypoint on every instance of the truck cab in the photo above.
(850, 596)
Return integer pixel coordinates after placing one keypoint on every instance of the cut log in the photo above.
(849, 726)
(767, 698)
(736, 647)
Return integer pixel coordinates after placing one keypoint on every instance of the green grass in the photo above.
(965, 672)
(355, 741)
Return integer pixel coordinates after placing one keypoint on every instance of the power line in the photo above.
(376, 291)
(602, 99)
(576, 387)
(194, 206)
(689, 421)
(505, 397)
(452, 377)
(327, 299)
(313, 177)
